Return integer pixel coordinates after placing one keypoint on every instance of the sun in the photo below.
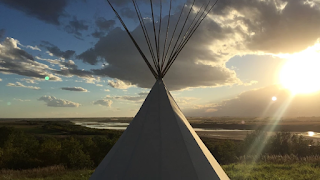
(301, 73)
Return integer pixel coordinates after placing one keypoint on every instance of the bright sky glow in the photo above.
(274, 98)
(301, 73)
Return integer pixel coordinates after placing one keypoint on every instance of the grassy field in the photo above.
(273, 171)
(48, 173)
(234, 171)
(301, 160)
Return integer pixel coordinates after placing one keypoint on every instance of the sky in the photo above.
(248, 58)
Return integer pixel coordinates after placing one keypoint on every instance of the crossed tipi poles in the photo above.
(159, 143)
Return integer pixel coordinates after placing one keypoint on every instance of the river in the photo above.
(204, 132)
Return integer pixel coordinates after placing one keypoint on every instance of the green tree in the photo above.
(73, 156)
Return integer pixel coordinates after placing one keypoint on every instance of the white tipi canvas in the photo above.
(159, 144)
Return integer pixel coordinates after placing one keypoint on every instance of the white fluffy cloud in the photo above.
(14, 60)
(118, 84)
(19, 84)
(103, 102)
(52, 101)
(33, 47)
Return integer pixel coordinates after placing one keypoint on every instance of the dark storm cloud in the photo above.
(89, 56)
(98, 34)
(124, 2)
(74, 71)
(129, 13)
(279, 26)
(79, 89)
(52, 101)
(103, 27)
(235, 27)
(103, 24)
(47, 11)
(125, 63)
(75, 26)
(55, 50)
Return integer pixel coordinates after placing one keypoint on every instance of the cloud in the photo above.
(69, 69)
(47, 11)
(185, 100)
(124, 2)
(14, 60)
(33, 47)
(188, 71)
(21, 100)
(52, 101)
(107, 90)
(75, 26)
(129, 13)
(280, 26)
(257, 103)
(139, 98)
(89, 56)
(235, 27)
(99, 85)
(0, 79)
(29, 81)
(93, 80)
(80, 89)
(103, 102)
(118, 84)
(54, 50)
(98, 34)
(250, 83)
(69, 72)
(104, 25)
(18, 84)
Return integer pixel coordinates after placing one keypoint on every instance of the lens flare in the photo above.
(310, 133)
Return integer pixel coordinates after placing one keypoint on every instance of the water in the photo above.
(218, 133)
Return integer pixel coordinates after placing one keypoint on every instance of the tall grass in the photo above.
(271, 171)
(280, 159)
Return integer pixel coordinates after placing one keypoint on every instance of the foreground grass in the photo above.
(234, 171)
(273, 171)
(48, 173)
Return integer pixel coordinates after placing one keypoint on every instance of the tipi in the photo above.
(159, 143)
